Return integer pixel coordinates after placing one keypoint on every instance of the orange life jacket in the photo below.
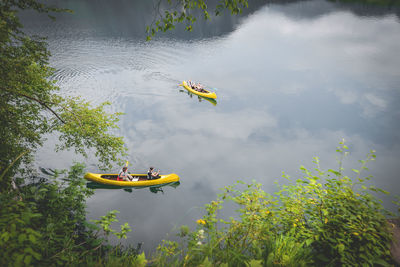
(119, 178)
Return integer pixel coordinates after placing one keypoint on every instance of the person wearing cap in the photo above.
(152, 174)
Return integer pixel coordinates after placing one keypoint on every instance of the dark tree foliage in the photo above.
(45, 225)
(30, 106)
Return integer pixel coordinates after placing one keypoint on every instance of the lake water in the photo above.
(292, 80)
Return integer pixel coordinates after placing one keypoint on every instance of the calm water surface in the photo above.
(292, 81)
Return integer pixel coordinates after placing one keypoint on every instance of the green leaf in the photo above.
(32, 238)
(21, 238)
(334, 172)
(36, 255)
(256, 263)
(341, 248)
(206, 263)
(140, 260)
(28, 259)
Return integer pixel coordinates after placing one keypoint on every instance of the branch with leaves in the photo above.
(184, 11)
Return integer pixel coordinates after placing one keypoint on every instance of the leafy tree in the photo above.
(30, 105)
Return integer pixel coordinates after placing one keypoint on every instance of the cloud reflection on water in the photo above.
(288, 90)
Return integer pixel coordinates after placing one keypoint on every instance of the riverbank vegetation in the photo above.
(44, 224)
(324, 218)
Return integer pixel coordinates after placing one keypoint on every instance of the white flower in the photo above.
(201, 234)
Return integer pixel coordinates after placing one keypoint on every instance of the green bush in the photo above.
(46, 222)
(46, 225)
(323, 219)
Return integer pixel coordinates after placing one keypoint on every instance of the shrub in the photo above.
(323, 219)
(46, 226)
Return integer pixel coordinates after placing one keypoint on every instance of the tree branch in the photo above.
(38, 101)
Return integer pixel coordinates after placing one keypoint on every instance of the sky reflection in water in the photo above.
(288, 89)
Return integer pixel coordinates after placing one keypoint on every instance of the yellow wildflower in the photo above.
(201, 221)
(326, 220)
(267, 212)
(355, 233)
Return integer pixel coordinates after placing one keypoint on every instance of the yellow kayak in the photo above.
(190, 89)
(111, 179)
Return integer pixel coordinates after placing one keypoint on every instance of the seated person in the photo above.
(193, 85)
(125, 176)
(152, 174)
(200, 88)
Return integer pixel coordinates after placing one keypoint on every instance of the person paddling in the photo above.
(152, 174)
(124, 175)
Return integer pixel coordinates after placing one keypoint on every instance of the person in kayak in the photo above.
(124, 175)
(200, 88)
(151, 174)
